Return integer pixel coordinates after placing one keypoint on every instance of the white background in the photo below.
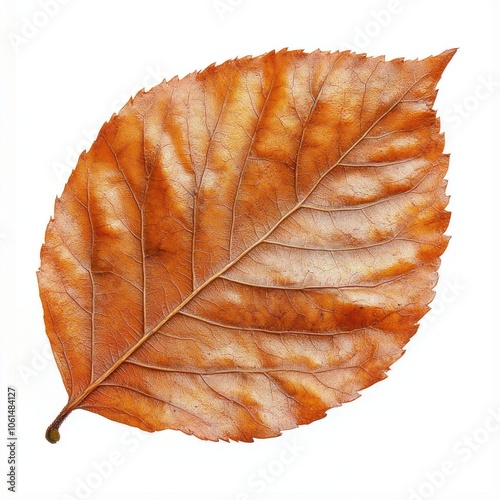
(77, 67)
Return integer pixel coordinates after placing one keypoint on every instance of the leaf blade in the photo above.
(190, 207)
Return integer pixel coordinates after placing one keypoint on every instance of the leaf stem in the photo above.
(52, 433)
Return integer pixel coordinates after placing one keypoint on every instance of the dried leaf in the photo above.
(243, 249)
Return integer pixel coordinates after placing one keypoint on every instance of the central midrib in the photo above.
(74, 404)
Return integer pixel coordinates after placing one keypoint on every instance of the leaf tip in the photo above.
(447, 55)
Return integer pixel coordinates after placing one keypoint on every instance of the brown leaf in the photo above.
(243, 249)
